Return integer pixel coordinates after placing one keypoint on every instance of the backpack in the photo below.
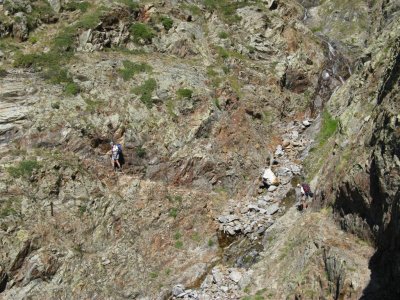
(306, 188)
(119, 148)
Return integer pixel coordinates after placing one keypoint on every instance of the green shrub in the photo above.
(153, 275)
(72, 89)
(173, 212)
(64, 41)
(10, 207)
(145, 91)
(210, 243)
(179, 244)
(184, 93)
(222, 53)
(141, 33)
(167, 23)
(222, 35)
(177, 235)
(75, 5)
(33, 39)
(24, 168)
(130, 69)
(140, 151)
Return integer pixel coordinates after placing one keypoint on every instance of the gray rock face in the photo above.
(55, 5)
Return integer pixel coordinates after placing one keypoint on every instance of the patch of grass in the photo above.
(210, 243)
(179, 244)
(196, 237)
(24, 168)
(76, 5)
(170, 105)
(222, 53)
(145, 91)
(184, 93)
(317, 29)
(132, 5)
(223, 35)
(177, 235)
(173, 212)
(141, 33)
(81, 210)
(10, 207)
(41, 12)
(226, 9)
(64, 41)
(168, 271)
(328, 128)
(32, 39)
(194, 9)
(72, 89)
(153, 275)
(167, 22)
(131, 69)
(92, 105)
(91, 19)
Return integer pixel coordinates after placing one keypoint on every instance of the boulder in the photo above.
(270, 177)
(20, 27)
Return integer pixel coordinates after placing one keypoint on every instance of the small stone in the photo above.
(244, 210)
(217, 276)
(261, 230)
(272, 209)
(230, 230)
(285, 143)
(222, 219)
(325, 75)
(235, 276)
(272, 188)
(306, 123)
(178, 290)
(279, 151)
(224, 288)
(253, 207)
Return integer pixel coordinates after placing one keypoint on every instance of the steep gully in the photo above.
(241, 245)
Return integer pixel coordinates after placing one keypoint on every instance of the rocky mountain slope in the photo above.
(203, 95)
